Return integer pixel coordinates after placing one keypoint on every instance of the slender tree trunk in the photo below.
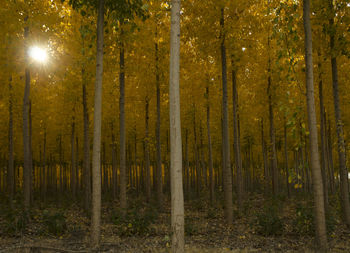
(114, 166)
(177, 200)
(122, 150)
(159, 154)
(32, 169)
(187, 164)
(26, 138)
(10, 170)
(203, 165)
(286, 157)
(147, 161)
(210, 152)
(77, 184)
(236, 146)
(196, 154)
(73, 162)
(136, 164)
(323, 145)
(343, 171)
(328, 141)
(273, 155)
(320, 222)
(227, 179)
(45, 171)
(86, 159)
(96, 150)
(330, 156)
(266, 167)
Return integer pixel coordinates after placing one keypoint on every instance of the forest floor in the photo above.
(279, 225)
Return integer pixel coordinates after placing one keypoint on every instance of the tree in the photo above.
(343, 172)
(27, 168)
(320, 221)
(177, 200)
(96, 151)
(226, 171)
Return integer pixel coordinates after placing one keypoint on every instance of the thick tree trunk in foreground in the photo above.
(96, 150)
(343, 172)
(226, 170)
(177, 200)
(320, 222)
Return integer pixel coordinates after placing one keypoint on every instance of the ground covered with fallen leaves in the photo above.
(263, 225)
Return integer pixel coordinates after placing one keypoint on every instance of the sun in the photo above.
(38, 54)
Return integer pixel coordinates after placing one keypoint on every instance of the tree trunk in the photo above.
(73, 162)
(236, 146)
(26, 139)
(286, 157)
(266, 167)
(136, 164)
(177, 200)
(147, 162)
(273, 156)
(226, 173)
(114, 165)
(122, 150)
(320, 222)
(10, 170)
(96, 148)
(323, 145)
(330, 156)
(159, 154)
(196, 154)
(210, 152)
(86, 159)
(187, 164)
(343, 172)
(45, 171)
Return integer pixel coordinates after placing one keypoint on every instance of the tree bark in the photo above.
(320, 222)
(273, 155)
(236, 146)
(177, 200)
(266, 167)
(286, 157)
(86, 160)
(27, 169)
(147, 161)
(210, 152)
(96, 149)
(73, 162)
(159, 153)
(226, 173)
(114, 165)
(323, 144)
(343, 171)
(122, 167)
(10, 170)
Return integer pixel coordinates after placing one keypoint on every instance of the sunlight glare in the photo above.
(38, 54)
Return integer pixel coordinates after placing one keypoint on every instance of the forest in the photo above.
(174, 126)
